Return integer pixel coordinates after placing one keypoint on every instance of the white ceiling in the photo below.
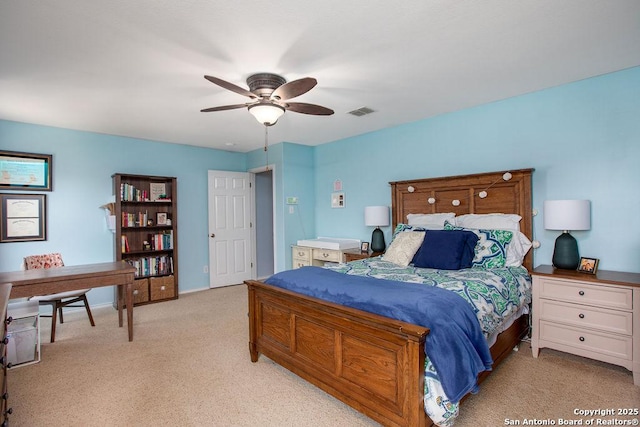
(135, 67)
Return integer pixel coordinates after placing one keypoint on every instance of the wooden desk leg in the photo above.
(129, 302)
(120, 297)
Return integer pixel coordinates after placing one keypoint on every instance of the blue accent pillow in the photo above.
(446, 250)
(469, 250)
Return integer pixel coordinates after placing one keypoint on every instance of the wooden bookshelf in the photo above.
(146, 233)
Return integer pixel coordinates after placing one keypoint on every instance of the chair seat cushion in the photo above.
(60, 295)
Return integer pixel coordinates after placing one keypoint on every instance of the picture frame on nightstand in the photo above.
(588, 265)
(364, 246)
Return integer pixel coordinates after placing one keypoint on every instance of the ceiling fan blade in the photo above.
(224, 107)
(231, 86)
(295, 88)
(316, 110)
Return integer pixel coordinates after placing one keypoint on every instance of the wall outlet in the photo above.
(205, 269)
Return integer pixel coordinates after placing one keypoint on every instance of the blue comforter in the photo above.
(455, 344)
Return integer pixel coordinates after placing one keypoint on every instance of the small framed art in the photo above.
(23, 217)
(25, 171)
(337, 200)
(588, 265)
(364, 246)
(161, 218)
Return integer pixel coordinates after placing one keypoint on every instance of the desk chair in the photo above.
(59, 300)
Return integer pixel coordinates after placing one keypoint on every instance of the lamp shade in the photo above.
(567, 215)
(267, 114)
(376, 216)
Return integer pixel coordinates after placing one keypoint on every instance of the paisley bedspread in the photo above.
(494, 294)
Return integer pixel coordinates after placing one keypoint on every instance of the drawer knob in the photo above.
(581, 338)
(581, 316)
(324, 254)
(300, 253)
(581, 293)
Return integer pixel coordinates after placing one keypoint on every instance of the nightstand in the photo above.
(356, 255)
(594, 316)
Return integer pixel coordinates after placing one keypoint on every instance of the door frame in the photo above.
(276, 237)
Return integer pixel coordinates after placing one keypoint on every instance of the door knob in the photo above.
(212, 235)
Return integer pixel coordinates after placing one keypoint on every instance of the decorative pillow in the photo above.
(446, 250)
(491, 249)
(517, 249)
(405, 227)
(403, 247)
(493, 221)
(469, 252)
(34, 262)
(431, 221)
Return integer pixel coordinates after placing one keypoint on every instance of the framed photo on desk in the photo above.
(23, 217)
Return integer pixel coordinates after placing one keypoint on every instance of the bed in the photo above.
(374, 363)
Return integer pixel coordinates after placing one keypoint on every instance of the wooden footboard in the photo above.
(372, 363)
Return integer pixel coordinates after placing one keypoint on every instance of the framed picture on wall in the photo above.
(25, 171)
(337, 200)
(23, 217)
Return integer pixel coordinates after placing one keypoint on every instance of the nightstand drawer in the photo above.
(587, 343)
(584, 293)
(327, 255)
(615, 321)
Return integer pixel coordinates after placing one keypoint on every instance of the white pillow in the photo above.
(403, 247)
(431, 221)
(517, 249)
(492, 221)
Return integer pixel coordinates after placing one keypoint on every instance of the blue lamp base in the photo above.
(377, 241)
(565, 252)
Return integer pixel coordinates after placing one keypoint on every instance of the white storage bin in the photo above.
(23, 333)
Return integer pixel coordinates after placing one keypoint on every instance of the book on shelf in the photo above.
(161, 241)
(124, 243)
(129, 193)
(152, 266)
(138, 219)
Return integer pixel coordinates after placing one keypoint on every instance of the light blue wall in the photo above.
(583, 139)
(298, 182)
(83, 163)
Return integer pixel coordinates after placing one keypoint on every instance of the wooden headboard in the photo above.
(511, 195)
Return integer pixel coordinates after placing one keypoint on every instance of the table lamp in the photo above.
(377, 216)
(567, 215)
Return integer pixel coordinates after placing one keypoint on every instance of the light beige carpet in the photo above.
(189, 366)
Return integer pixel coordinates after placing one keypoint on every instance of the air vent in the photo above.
(362, 111)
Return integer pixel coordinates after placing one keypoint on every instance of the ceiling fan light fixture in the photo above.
(266, 114)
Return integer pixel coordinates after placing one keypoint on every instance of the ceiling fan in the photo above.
(270, 95)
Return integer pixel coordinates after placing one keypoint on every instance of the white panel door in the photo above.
(229, 228)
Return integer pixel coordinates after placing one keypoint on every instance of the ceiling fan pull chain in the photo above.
(266, 147)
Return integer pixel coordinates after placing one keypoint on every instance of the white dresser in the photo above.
(595, 316)
(305, 255)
